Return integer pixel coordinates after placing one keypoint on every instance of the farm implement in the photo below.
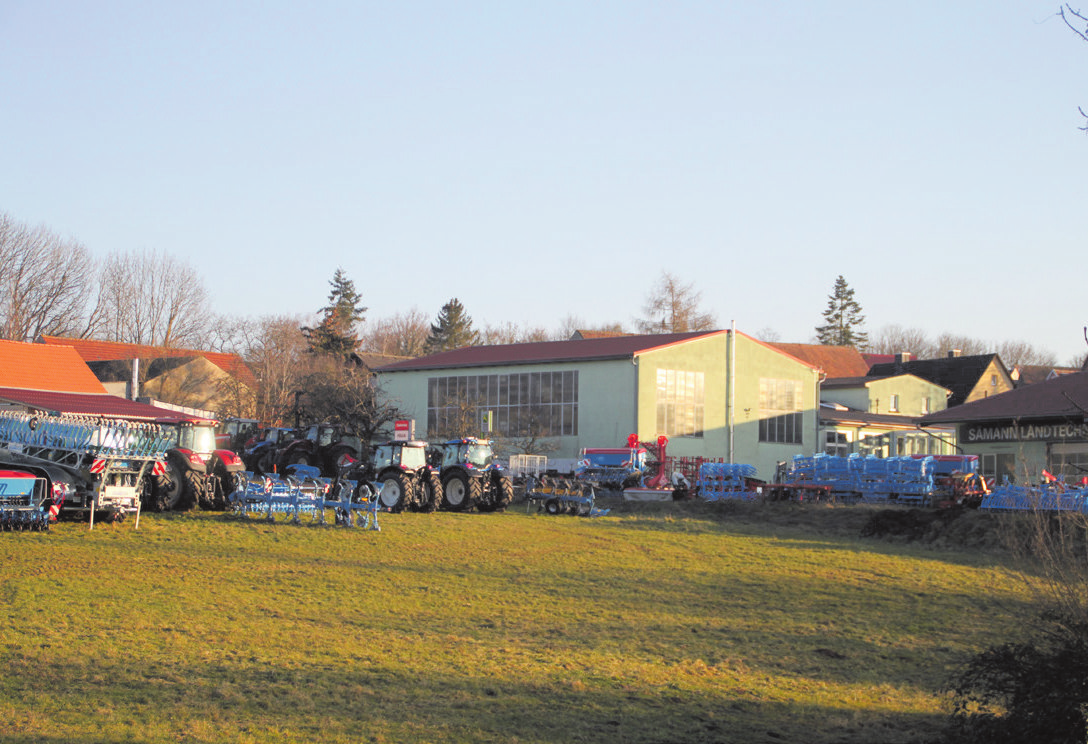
(87, 466)
(1053, 494)
(304, 493)
(562, 496)
(718, 481)
(918, 480)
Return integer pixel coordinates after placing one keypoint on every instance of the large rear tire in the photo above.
(428, 491)
(168, 493)
(397, 491)
(500, 493)
(460, 491)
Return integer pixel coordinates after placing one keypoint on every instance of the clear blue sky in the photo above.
(544, 159)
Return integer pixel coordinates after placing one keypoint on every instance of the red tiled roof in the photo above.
(89, 404)
(107, 351)
(835, 361)
(38, 367)
(1062, 397)
(614, 347)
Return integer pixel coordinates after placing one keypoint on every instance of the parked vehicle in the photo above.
(234, 433)
(406, 480)
(259, 454)
(470, 476)
(322, 446)
(197, 472)
(82, 466)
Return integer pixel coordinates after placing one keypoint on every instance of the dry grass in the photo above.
(673, 622)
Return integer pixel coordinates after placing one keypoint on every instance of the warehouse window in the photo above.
(680, 406)
(779, 411)
(541, 404)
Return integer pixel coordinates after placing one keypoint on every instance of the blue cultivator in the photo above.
(1050, 496)
(562, 496)
(303, 493)
(724, 480)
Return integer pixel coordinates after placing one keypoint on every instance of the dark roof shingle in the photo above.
(1062, 397)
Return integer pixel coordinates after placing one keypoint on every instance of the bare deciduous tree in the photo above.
(276, 351)
(511, 333)
(1022, 352)
(44, 282)
(673, 307)
(152, 298)
(347, 395)
(403, 334)
(894, 339)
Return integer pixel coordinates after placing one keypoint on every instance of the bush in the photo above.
(1025, 693)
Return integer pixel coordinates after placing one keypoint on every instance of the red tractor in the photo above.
(197, 473)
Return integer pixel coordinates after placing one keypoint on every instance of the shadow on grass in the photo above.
(140, 702)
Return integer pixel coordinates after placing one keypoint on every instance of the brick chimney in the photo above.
(953, 353)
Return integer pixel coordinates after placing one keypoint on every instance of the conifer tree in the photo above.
(843, 319)
(452, 330)
(335, 334)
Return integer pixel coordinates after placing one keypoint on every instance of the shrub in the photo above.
(1025, 693)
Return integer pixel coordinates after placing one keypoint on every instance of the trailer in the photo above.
(91, 467)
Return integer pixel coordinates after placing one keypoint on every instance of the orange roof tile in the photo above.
(107, 351)
(51, 368)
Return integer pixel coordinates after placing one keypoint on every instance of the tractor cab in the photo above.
(471, 453)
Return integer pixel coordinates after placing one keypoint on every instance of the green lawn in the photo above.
(658, 623)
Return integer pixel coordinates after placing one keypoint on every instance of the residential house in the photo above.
(969, 378)
(206, 380)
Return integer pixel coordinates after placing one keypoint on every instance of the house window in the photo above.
(893, 403)
(680, 403)
(541, 404)
(925, 405)
(780, 418)
(993, 380)
(837, 443)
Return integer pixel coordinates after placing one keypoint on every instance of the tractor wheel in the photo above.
(169, 490)
(460, 492)
(428, 491)
(396, 491)
(267, 461)
(552, 506)
(194, 489)
(500, 492)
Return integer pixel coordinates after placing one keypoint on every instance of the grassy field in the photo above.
(660, 623)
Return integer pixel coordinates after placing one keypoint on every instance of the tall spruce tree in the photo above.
(844, 322)
(335, 334)
(452, 330)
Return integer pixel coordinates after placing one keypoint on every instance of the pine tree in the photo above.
(843, 319)
(335, 334)
(453, 329)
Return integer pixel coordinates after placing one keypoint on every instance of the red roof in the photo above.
(835, 361)
(539, 352)
(89, 404)
(108, 351)
(37, 367)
